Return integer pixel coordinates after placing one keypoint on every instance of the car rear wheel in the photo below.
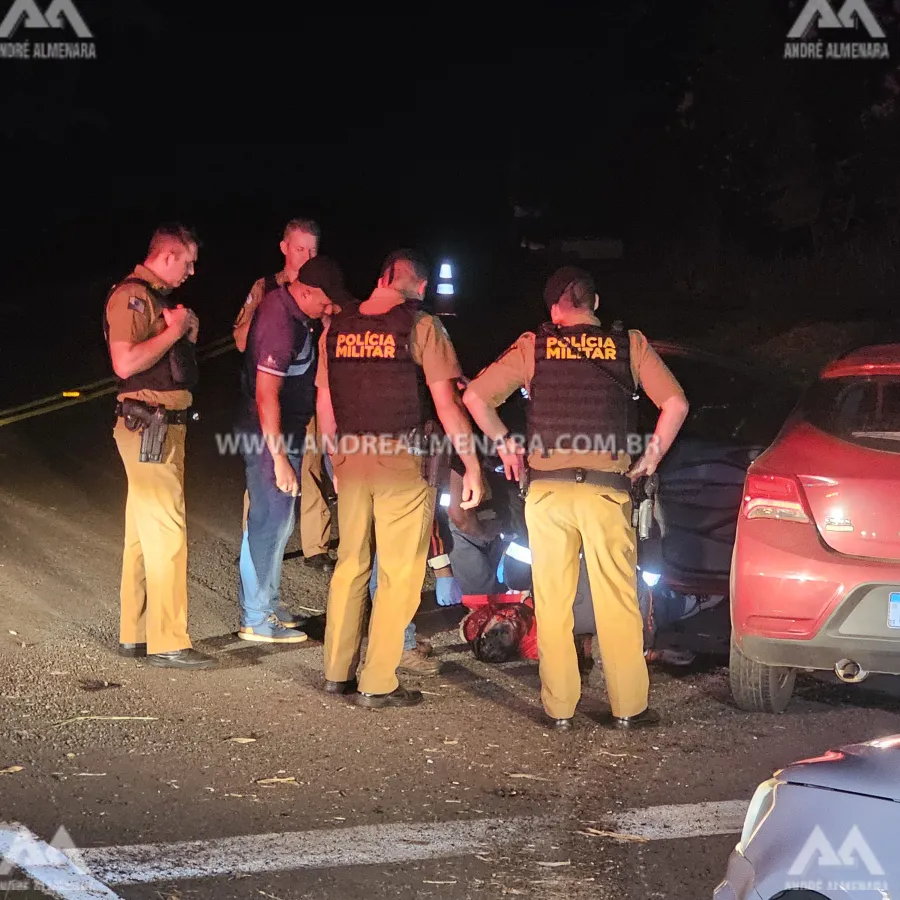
(757, 687)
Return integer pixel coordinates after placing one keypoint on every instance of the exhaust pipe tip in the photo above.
(850, 672)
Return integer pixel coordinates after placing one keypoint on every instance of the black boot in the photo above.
(562, 724)
(321, 561)
(182, 659)
(643, 719)
(399, 697)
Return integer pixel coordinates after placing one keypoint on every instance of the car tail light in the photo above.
(773, 497)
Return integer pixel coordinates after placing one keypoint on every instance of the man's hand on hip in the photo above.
(647, 464)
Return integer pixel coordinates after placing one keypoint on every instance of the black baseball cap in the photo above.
(561, 279)
(324, 273)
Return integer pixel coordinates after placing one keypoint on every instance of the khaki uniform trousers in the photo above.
(315, 516)
(154, 565)
(383, 502)
(563, 517)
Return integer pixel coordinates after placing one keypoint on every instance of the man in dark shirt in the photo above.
(279, 398)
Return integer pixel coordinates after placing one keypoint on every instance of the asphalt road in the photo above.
(466, 796)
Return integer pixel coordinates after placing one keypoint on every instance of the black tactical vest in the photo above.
(177, 369)
(583, 395)
(376, 386)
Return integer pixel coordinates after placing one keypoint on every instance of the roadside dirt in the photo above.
(121, 753)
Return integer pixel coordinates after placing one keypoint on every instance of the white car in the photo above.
(827, 827)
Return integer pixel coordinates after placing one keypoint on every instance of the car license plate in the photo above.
(894, 610)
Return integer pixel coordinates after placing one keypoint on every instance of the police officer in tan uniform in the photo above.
(151, 343)
(378, 365)
(583, 378)
(299, 243)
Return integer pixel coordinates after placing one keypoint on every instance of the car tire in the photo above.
(757, 687)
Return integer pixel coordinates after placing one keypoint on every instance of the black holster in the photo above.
(643, 501)
(420, 441)
(153, 437)
(135, 415)
(153, 425)
(524, 480)
(430, 468)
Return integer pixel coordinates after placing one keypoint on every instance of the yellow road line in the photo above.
(92, 391)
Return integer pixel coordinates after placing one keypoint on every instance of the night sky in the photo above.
(416, 130)
(363, 119)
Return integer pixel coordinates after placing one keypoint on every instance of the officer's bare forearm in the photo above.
(131, 359)
(268, 404)
(326, 420)
(450, 410)
(485, 415)
(671, 417)
(458, 428)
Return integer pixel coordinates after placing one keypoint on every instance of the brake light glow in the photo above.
(773, 497)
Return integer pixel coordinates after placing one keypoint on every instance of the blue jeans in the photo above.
(270, 523)
(409, 636)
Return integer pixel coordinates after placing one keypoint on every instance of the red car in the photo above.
(815, 574)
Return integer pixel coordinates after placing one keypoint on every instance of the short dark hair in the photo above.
(307, 226)
(170, 232)
(498, 641)
(418, 265)
(571, 285)
(580, 293)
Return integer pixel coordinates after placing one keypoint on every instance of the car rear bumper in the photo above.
(788, 587)
(857, 630)
(823, 652)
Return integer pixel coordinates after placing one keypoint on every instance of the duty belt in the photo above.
(173, 416)
(614, 480)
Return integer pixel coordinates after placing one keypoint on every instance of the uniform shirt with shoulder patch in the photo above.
(280, 343)
(514, 369)
(241, 327)
(133, 318)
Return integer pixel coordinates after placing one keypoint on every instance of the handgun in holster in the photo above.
(432, 466)
(152, 424)
(153, 437)
(524, 480)
(643, 498)
(421, 443)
